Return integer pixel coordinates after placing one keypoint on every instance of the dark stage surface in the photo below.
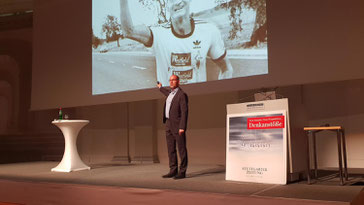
(34, 183)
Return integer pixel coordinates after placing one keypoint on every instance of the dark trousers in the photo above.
(173, 138)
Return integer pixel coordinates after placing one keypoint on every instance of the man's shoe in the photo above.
(180, 176)
(169, 175)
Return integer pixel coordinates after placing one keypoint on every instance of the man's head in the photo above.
(174, 82)
(179, 8)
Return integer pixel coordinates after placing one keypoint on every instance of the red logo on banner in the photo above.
(265, 122)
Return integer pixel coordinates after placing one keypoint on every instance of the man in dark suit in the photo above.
(175, 117)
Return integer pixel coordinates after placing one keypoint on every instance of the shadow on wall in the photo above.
(4, 113)
(17, 71)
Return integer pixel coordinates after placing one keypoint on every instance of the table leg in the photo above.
(344, 154)
(340, 156)
(308, 159)
(314, 153)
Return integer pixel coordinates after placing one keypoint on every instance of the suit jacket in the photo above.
(178, 112)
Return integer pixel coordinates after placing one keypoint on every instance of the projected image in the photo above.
(136, 43)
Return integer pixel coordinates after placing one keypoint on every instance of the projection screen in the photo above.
(307, 44)
(226, 39)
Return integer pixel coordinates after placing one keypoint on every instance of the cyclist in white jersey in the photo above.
(181, 46)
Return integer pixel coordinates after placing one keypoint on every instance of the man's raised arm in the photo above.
(140, 33)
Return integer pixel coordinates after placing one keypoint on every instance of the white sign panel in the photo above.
(256, 147)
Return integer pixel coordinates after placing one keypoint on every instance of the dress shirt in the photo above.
(169, 101)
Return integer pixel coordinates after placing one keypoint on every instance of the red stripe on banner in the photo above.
(256, 123)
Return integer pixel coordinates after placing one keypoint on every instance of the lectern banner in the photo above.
(256, 147)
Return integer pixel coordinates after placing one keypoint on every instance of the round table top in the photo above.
(69, 121)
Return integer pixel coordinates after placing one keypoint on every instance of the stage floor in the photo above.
(200, 178)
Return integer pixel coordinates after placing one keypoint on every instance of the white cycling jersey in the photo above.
(185, 55)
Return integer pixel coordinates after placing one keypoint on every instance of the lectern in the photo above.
(256, 144)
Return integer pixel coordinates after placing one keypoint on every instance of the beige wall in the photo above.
(339, 103)
(15, 68)
(105, 138)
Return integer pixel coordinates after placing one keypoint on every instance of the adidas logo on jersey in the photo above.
(197, 44)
